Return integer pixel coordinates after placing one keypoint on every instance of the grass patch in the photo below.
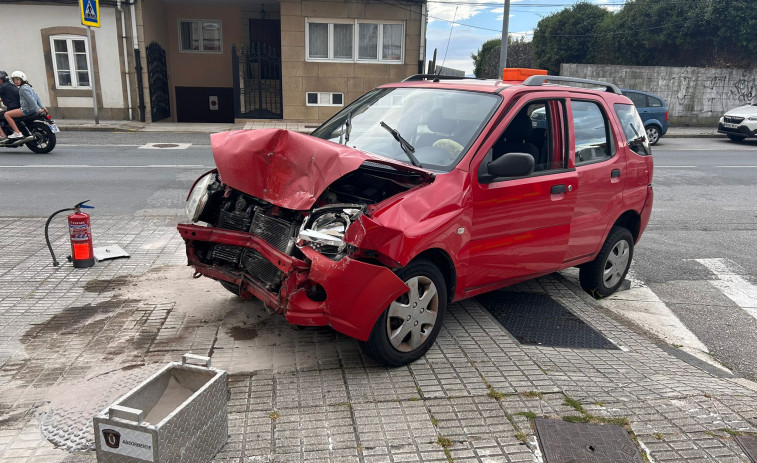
(575, 419)
(434, 422)
(576, 405)
(495, 394)
(443, 442)
(532, 394)
(731, 432)
(659, 436)
(529, 415)
(521, 436)
(274, 415)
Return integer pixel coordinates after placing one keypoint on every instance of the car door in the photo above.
(521, 225)
(600, 168)
(640, 101)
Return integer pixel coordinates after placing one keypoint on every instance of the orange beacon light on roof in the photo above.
(520, 74)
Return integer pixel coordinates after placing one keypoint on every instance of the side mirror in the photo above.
(511, 165)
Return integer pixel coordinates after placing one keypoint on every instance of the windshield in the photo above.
(439, 125)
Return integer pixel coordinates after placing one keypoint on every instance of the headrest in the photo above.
(437, 123)
(519, 128)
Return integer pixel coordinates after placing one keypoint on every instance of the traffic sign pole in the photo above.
(91, 66)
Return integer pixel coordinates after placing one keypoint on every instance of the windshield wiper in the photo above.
(406, 147)
(347, 128)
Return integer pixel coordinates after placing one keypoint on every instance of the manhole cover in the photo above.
(564, 442)
(749, 444)
(537, 319)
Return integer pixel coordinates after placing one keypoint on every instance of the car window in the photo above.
(633, 128)
(638, 99)
(440, 125)
(593, 139)
(654, 102)
(533, 130)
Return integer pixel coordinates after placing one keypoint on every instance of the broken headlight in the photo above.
(198, 197)
(325, 228)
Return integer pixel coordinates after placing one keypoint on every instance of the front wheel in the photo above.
(653, 134)
(409, 326)
(44, 138)
(603, 276)
(736, 137)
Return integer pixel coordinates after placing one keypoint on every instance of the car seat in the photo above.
(439, 126)
(515, 138)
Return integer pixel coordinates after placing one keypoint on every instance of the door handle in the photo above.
(615, 173)
(557, 189)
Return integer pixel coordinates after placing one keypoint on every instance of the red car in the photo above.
(421, 193)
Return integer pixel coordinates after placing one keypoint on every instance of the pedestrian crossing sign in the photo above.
(90, 12)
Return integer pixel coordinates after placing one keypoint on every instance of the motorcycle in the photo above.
(38, 132)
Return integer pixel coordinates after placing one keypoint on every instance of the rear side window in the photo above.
(637, 98)
(633, 129)
(592, 133)
(655, 102)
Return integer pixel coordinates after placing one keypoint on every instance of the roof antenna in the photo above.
(451, 25)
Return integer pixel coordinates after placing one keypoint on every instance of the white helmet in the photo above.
(18, 74)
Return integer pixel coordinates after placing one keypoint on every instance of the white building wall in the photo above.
(21, 25)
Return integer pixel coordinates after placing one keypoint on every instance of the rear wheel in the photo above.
(409, 326)
(653, 134)
(602, 276)
(736, 137)
(44, 138)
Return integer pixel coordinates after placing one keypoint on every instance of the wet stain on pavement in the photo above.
(242, 333)
(99, 286)
(73, 319)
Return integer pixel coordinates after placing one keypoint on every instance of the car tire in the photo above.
(409, 326)
(231, 287)
(653, 134)
(604, 275)
(736, 137)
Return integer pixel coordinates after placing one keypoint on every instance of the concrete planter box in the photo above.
(177, 415)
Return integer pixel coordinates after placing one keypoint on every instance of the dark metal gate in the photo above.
(157, 74)
(257, 72)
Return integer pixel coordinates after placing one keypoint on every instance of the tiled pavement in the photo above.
(73, 340)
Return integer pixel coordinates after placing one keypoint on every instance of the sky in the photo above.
(457, 28)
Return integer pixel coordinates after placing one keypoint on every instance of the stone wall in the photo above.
(695, 96)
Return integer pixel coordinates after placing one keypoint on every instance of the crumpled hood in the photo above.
(746, 110)
(285, 168)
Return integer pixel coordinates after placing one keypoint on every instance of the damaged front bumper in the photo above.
(350, 294)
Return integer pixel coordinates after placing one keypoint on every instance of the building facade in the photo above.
(214, 60)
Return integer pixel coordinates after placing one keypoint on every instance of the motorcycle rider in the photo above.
(30, 103)
(8, 96)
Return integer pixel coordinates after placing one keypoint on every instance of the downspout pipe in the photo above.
(137, 63)
(424, 21)
(126, 57)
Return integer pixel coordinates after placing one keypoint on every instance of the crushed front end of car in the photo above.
(282, 219)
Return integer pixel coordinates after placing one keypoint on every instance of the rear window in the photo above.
(633, 128)
(655, 102)
(637, 98)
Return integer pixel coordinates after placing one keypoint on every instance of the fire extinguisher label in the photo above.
(78, 232)
(81, 251)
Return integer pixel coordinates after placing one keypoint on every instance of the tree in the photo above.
(566, 36)
(520, 54)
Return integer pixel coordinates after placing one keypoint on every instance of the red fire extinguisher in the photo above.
(80, 233)
(82, 253)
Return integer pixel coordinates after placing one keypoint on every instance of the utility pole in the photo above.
(505, 27)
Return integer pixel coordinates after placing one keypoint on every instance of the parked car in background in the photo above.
(653, 111)
(739, 123)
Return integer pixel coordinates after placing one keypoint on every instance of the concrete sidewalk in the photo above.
(298, 126)
(74, 340)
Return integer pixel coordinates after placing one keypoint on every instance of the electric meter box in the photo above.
(177, 415)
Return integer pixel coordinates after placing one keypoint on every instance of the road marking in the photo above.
(733, 285)
(82, 166)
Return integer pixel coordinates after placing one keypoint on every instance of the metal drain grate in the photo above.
(537, 319)
(749, 444)
(564, 442)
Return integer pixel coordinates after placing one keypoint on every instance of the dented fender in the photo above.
(357, 293)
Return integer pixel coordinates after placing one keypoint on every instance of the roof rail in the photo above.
(536, 81)
(436, 77)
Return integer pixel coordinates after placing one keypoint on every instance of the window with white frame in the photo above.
(70, 62)
(200, 35)
(324, 99)
(362, 41)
